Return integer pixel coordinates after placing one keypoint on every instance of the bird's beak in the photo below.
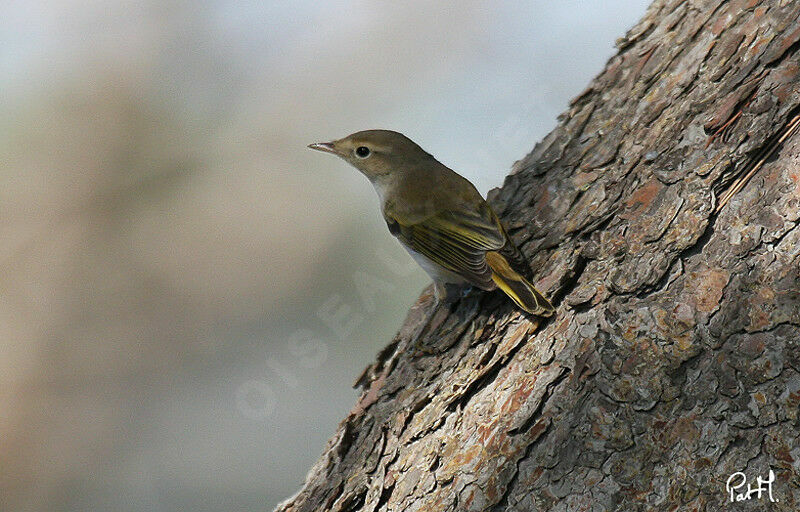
(327, 147)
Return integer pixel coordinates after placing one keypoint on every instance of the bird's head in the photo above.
(376, 153)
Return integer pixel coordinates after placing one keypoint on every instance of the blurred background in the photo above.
(186, 292)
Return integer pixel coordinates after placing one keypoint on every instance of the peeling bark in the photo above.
(674, 358)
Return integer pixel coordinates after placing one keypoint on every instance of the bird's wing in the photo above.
(457, 242)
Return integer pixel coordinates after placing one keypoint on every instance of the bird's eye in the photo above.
(362, 151)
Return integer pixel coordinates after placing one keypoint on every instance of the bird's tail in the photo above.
(517, 287)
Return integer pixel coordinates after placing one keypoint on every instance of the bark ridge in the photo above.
(664, 214)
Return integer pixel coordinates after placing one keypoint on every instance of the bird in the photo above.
(440, 218)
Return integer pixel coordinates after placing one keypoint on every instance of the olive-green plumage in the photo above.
(439, 217)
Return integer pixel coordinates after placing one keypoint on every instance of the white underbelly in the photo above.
(433, 269)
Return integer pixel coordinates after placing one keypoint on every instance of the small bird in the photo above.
(439, 217)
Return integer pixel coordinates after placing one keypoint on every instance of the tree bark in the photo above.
(663, 216)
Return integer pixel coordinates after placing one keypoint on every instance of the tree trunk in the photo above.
(662, 215)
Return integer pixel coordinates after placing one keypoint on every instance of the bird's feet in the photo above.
(444, 297)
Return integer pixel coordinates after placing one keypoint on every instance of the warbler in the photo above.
(440, 218)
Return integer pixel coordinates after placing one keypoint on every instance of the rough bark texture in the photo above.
(674, 358)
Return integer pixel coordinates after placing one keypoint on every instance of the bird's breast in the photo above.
(381, 186)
